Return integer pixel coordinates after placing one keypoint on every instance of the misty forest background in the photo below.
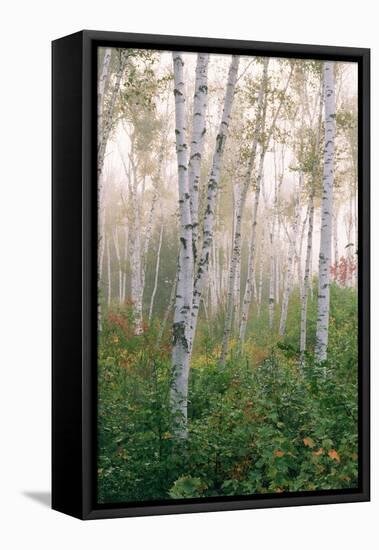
(227, 262)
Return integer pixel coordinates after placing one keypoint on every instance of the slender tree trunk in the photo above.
(124, 263)
(335, 243)
(260, 284)
(135, 250)
(271, 297)
(322, 330)
(197, 143)
(308, 278)
(181, 347)
(248, 295)
(236, 249)
(118, 256)
(212, 190)
(290, 263)
(156, 273)
(102, 88)
(237, 281)
(307, 274)
(104, 132)
(277, 281)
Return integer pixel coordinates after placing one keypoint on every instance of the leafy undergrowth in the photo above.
(263, 423)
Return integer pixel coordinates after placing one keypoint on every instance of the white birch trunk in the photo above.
(307, 274)
(197, 143)
(181, 348)
(277, 281)
(262, 105)
(106, 123)
(322, 330)
(236, 249)
(248, 295)
(271, 296)
(213, 184)
(102, 88)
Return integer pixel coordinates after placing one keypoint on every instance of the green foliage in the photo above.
(264, 423)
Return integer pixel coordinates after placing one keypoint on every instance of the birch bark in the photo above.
(181, 347)
(236, 249)
(212, 189)
(104, 132)
(322, 329)
(197, 143)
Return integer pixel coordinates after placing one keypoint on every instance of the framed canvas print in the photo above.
(210, 274)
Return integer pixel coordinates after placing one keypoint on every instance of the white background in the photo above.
(27, 29)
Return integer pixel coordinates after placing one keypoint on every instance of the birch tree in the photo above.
(311, 209)
(181, 345)
(106, 114)
(323, 299)
(197, 143)
(236, 250)
(212, 189)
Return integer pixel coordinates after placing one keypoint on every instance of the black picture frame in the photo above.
(74, 295)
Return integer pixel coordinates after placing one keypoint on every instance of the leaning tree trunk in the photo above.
(212, 190)
(322, 330)
(236, 248)
(236, 253)
(181, 346)
(197, 143)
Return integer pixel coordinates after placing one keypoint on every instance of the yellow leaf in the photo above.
(308, 442)
(334, 455)
(279, 453)
(166, 435)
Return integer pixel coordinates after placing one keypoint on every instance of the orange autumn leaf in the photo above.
(279, 453)
(319, 452)
(308, 442)
(334, 455)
